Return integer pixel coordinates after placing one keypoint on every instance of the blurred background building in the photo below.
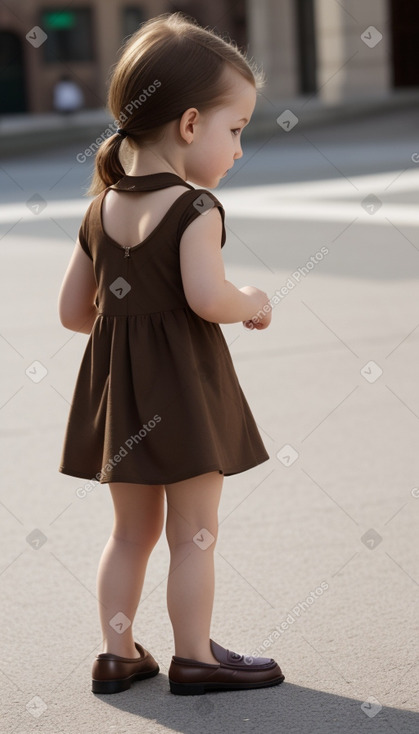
(360, 48)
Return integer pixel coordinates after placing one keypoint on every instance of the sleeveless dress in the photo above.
(157, 399)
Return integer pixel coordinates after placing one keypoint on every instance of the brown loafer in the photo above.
(234, 672)
(112, 673)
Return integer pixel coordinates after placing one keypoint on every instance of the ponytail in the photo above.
(108, 167)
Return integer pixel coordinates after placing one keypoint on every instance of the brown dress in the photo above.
(157, 399)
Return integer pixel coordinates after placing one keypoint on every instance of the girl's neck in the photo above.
(147, 161)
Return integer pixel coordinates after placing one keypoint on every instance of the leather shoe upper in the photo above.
(234, 669)
(108, 667)
(227, 657)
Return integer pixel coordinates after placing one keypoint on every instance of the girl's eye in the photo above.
(236, 131)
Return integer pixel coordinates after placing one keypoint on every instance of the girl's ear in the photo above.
(187, 122)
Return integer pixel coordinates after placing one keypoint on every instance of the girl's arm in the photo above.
(207, 291)
(76, 302)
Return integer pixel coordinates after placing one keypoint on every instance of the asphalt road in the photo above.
(317, 555)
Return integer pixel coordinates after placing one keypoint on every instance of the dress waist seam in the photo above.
(142, 313)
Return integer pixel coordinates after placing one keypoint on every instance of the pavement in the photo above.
(316, 561)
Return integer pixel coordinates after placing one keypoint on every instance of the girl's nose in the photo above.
(238, 153)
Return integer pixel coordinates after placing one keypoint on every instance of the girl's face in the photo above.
(216, 141)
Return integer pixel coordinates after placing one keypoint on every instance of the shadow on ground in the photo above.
(287, 708)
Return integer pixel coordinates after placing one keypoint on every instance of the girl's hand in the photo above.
(258, 323)
(263, 314)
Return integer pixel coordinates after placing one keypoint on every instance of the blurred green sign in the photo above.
(59, 20)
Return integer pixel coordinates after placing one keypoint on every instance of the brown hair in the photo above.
(170, 64)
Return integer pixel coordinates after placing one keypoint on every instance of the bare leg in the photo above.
(192, 506)
(139, 514)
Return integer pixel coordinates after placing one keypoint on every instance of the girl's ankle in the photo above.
(126, 651)
(202, 656)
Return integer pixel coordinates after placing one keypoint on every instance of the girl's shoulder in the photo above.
(200, 202)
(88, 222)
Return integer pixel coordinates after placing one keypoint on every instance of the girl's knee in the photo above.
(192, 511)
(144, 540)
(145, 534)
(139, 513)
(202, 536)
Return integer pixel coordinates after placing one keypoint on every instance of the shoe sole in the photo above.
(122, 684)
(197, 689)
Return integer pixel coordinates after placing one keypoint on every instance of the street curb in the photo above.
(22, 135)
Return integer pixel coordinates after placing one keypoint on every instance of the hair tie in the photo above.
(122, 132)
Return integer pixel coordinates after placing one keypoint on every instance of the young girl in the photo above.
(157, 410)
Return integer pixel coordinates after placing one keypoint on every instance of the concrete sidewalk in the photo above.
(316, 562)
